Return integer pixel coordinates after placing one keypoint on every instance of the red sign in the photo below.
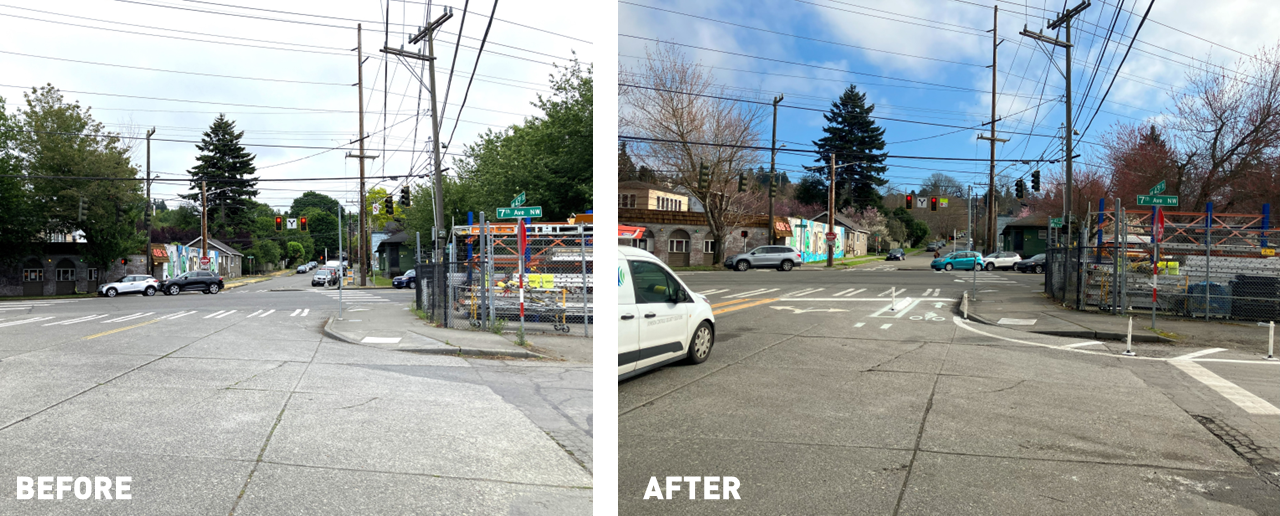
(831, 237)
(1159, 223)
(204, 260)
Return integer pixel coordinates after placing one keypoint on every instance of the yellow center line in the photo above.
(748, 305)
(726, 303)
(109, 332)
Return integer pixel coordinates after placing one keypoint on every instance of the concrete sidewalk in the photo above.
(396, 327)
(1037, 313)
(249, 280)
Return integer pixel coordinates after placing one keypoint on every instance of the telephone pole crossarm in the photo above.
(405, 53)
(1071, 13)
(1044, 39)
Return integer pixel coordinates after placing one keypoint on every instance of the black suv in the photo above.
(204, 281)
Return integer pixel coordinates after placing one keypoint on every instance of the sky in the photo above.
(289, 76)
(927, 62)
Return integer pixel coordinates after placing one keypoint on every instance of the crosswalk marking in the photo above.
(295, 312)
(266, 314)
(255, 313)
(171, 317)
(25, 321)
(229, 312)
(305, 311)
(128, 317)
(76, 320)
(714, 291)
(892, 291)
(849, 293)
(804, 292)
(859, 325)
(885, 326)
(213, 314)
(756, 292)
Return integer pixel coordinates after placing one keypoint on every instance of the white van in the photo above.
(661, 320)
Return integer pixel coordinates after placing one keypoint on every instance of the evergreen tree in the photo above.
(223, 158)
(856, 141)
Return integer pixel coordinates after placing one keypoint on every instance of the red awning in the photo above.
(631, 232)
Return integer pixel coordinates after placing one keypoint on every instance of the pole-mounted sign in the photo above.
(1157, 189)
(518, 201)
(519, 212)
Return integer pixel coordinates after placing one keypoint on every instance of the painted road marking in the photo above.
(77, 320)
(885, 326)
(213, 314)
(109, 332)
(892, 291)
(266, 314)
(714, 291)
(896, 307)
(805, 292)
(726, 303)
(850, 292)
(1017, 322)
(25, 321)
(859, 325)
(740, 307)
(1078, 344)
(1200, 353)
(751, 293)
(177, 315)
(295, 312)
(305, 312)
(128, 317)
(253, 314)
(229, 312)
(1242, 398)
(380, 340)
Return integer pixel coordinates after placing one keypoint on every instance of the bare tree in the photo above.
(681, 131)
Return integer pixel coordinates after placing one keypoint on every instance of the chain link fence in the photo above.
(1202, 266)
(482, 282)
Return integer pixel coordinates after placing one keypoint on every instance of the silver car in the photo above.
(131, 284)
(779, 257)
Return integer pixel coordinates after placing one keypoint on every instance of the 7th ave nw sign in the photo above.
(520, 212)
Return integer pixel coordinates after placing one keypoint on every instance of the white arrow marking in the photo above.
(807, 310)
(938, 305)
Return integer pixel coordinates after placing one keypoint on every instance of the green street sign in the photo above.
(1157, 189)
(515, 203)
(520, 212)
(1055, 222)
(1157, 200)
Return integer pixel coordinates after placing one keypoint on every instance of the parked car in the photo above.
(964, 260)
(896, 254)
(323, 278)
(931, 247)
(661, 321)
(203, 281)
(1003, 260)
(779, 257)
(302, 269)
(1033, 264)
(132, 284)
(405, 280)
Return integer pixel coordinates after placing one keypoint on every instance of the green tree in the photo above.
(20, 221)
(60, 140)
(856, 141)
(294, 250)
(231, 186)
(265, 252)
(323, 228)
(377, 196)
(314, 200)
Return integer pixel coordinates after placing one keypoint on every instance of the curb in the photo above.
(255, 280)
(1079, 334)
(457, 350)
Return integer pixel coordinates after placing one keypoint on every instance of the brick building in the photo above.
(681, 238)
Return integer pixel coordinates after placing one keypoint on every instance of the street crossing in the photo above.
(727, 293)
(7, 306)
(144, 316)
(352, 296)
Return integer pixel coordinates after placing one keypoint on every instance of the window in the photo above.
(709, 246)
(65, 274)
(32, 274)
(640, 243)
(93, 274)
(678, 246)
(626, 200)
(679, 205)
(652, 283)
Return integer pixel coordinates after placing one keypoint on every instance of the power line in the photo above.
(794, 151)
(474, 67)
(514, 23)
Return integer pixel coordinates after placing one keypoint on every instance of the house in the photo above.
(647, 196)
(62, 271)
(681, 238)
(229, 260)
(1027, 236)
(856, 242)
(395, 254)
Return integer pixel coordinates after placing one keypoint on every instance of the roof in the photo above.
(397, 238)
(1030, 221)
(637, 216)
(217, 244)
(641, 185)
(841, 220)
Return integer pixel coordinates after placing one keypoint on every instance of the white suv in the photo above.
(661, 320)
(1003, 260)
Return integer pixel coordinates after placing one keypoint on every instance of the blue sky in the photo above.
(951, 80)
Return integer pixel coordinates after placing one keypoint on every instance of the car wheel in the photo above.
(742, 265)
(949, 267)
(150, 291)
(786, 265)
(173, 290)
(700, 345)
(111, 292)
(1039, 269)
(990, 267)
(410, 285)
(214, 288)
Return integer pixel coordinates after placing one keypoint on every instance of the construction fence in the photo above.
(1200, 266)
(482, 280)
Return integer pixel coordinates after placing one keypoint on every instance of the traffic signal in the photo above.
(404, 196)
(303, 223)
(933, 204)
(389, 204)
(1035, 181)
(773, 188)
(742, 182)
(1020, 189)
(704, 178)
(279, 223)
(911, 201)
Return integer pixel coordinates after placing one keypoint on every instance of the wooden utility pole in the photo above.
(773, 147)
(831, 213)
(204, 221)
(360, 96)
(991, 185)
(151, 261)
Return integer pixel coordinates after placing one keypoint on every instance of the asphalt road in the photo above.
(235, 403)
(860, 392)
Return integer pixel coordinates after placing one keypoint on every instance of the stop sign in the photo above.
(204, 260)
(831, 237)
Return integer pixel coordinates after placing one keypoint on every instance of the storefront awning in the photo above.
(631, 232)
(781, 227)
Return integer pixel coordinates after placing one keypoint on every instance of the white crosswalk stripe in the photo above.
(756, 292)
(229, 312)
(849, 293)
(805, 292)
(128, 317)
(266, 314)
(295, 312)
(77, 320)
(305, 311)
(255, 313)
(24, 321)
(893, 291)
(859, 325)
(171, 317)
(714, 291)
(213, 314)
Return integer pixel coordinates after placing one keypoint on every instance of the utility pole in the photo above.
(204, 221)
(991, 185)
(831, 213)
(1064, 20)
(151, 259)
(773, 147)
(360, 251)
